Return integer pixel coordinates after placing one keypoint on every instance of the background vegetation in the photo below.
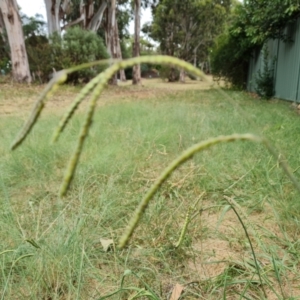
(251, 24)
(55, 249)
(77, 46)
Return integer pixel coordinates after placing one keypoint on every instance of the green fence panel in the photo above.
(254, 67)
(287, 65)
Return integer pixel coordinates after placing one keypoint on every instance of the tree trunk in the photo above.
(66, 6)
(123, 75)
(13, 25)
(136, 72)
(182, 76)
(88, 18)
(82, 14)
(53, 18)
(97, 17)
(119, 54)
(111, 36)
(173, 75)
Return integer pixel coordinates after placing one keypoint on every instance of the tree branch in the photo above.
(97, 18)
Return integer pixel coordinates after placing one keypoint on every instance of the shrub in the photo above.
(169, 73)
(77, 46)
(40, 57)
(192, 77)
(5, 63)
(128, 73)
(81, 46)
(265, 78)
(230, 61)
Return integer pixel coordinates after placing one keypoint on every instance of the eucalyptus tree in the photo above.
(10, 18)
(90, 15)
(53, 15)
(137, 6)
(186, 29)
(136, 71)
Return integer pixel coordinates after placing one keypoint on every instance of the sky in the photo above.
(33, 7)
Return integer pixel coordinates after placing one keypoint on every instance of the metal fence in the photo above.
(286, 68)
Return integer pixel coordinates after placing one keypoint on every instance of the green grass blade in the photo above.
(186, 155)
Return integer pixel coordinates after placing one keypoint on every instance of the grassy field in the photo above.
(55, 248)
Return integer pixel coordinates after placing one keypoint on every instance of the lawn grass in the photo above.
(51, 248)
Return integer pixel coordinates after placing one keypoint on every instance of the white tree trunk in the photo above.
(97, 17)
(53, 17)
(90, 20)
(123, 76)
(13, 25)
(136, 72)
(111, 36)
(81, 19)
(182, 76)
(66, 6)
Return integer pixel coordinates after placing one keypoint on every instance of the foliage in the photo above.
(77, 46)
(5, 64)
(228, 63)
(124, 17)
(265, 78)
(260, 20)
(126, 48)
(34, 33)
(49, 55)
(169, 73)
(252, 23)
(80, 46)
(33, 26)
(40, 57)
(38, 48)
(186, 29)
(146, 48)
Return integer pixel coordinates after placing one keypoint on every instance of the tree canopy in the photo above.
(186, 29)
(252, 23)
(259, 20)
